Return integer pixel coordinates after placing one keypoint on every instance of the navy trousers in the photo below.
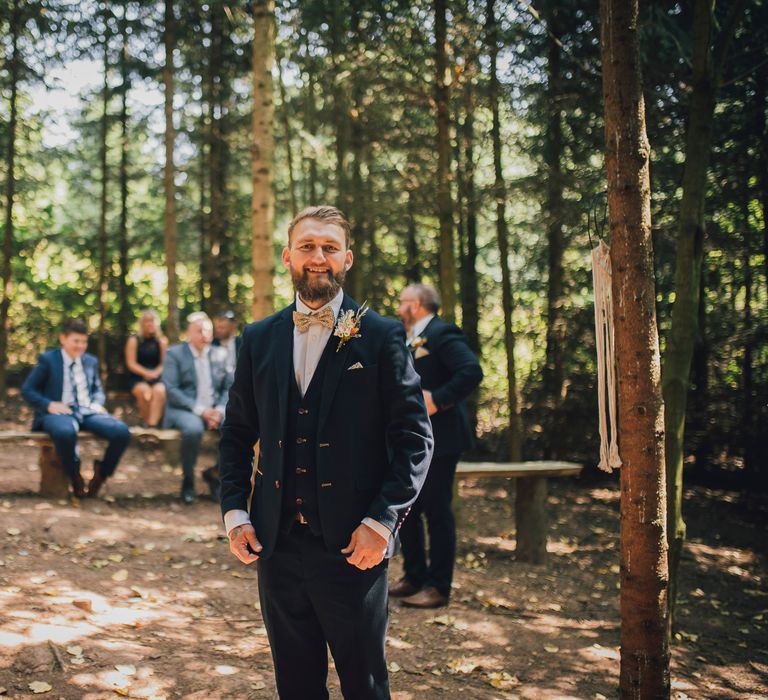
(311, 597)
(434, 503)
(63, 430)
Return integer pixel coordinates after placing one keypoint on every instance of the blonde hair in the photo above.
(327, 214)
(156, 317)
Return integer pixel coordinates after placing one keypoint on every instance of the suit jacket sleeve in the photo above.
(408, 433)
(462, 365)
(32, 389)
(239, 433)
(172, 379)
(97, 390)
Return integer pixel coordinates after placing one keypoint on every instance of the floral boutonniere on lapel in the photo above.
(348, 325)
(418, 341)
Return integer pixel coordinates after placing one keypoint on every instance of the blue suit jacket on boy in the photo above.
(45, 383)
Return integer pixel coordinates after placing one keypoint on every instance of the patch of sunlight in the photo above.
(59, 630)
(141, 684)
(601, 652)
(227, 670)
(560, 547)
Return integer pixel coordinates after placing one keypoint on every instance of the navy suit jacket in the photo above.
(374, 441)
(45, 383)
(451, 371)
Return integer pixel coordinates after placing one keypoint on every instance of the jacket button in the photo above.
(277, 484)
(300, 440)
(301, 470)
(303, 411)
(280, 444)
(299, 501)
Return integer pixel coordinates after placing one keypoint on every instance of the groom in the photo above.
(345, 443)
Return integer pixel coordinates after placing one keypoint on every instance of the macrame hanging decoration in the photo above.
(606, 358)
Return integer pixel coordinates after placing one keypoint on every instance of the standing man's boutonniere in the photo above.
(418, 342)
(348, 325)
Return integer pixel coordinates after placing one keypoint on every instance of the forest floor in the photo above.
(134, 595)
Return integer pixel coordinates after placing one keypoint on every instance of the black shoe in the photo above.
(211, 477)
(188, 494)
(98, 480)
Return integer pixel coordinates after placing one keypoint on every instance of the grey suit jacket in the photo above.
(180, 377)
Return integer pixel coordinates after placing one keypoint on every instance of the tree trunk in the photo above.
(413, 267)
(169, 222)
(310, 126)
(500, 195)
(10, 193)
(747, 414)
(340, 109)
(761, 130)
(262, 148)
(553, 152)
(216, 253)
(286, 122)
(707, 67)
(124, 313)
(444, 203)
(644, 647)
(102, 245)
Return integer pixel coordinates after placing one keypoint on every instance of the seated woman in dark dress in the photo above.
(144, 357)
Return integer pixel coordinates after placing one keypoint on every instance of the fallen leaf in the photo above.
(259, 685)
(83, 604)
(551, 648)
(394, 667)
(13, 531)
(121, 575)
(40, 687)
(75, 650)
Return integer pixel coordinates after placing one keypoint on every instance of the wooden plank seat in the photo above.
(531, 521)
(54, 483)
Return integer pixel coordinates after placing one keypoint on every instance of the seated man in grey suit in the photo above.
(197, 382)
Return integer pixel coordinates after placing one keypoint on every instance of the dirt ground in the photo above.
(134, 595)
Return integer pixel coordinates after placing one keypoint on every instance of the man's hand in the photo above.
(98, 408)
(431, 408)
(57, 408)
(366, 548)
(212, 418)
(243, 543)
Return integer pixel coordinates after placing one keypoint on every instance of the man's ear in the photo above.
(285, 256)
(348, 260)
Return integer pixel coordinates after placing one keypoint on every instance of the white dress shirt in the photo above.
(204, 398)
(418, 328)
(308, 347)
(67, 392)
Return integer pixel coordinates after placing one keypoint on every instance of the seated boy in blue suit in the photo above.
(65, 390)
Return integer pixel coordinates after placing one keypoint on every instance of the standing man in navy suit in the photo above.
(449, 373)
(330, 392)
(65, 390)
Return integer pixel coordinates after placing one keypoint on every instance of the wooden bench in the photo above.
(54, 483)
(531, 520)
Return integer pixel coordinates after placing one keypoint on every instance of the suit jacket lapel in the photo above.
(336, 364)
(282, 354)
(58, 376)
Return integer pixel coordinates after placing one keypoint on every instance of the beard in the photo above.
(318, 289)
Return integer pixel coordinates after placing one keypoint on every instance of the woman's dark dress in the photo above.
(147, 355)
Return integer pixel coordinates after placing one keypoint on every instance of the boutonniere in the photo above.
(348, 325)
(418, 342)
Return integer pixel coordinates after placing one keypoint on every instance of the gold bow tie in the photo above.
(303, 321)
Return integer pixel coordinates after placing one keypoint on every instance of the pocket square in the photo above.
(357, 365)
(420, 352)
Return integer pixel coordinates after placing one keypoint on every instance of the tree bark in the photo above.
(169, 220)
(124, 313)
(707, 68)
(102, 245)
(310, 122)
(747, 413)
(262, 149)
(502, 236)
(10, 193)
(286, 122)
(553, 212)
(340, 109)
(644, 578)
(444, 204)
(216, 252)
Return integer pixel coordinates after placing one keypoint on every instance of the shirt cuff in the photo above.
(198, 409)
(378, 528)
(221, 409)
(235, 517)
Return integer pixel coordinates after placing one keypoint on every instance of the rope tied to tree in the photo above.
(606, 358)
